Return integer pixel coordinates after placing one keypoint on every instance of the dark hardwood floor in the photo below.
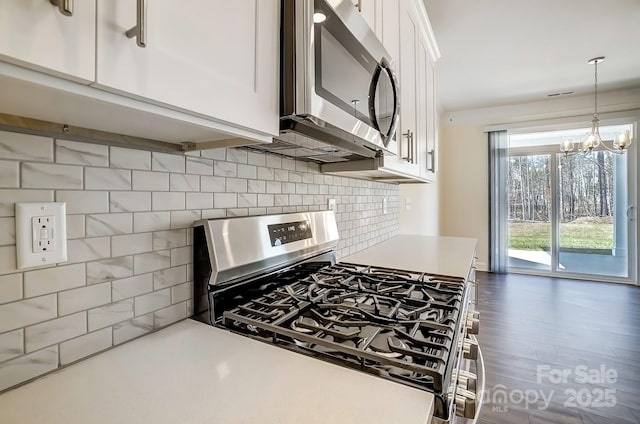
(546, 342)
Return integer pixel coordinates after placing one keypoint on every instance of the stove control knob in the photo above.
(470, 349)
(465, 403)
(467, 380)
(473, 325)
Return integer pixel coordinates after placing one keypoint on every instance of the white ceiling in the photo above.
(497, 52)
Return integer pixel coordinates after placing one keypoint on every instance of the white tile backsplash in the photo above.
(199, 200)
(76, 153)
(167, 162)
(131, 287)
(45, 175)
(55, 331)
(84, 201)
(75, 226)
(109, 269)
(184, 182)
(52, 280)
(132, 328)
(107, 179)
(225, 200)
(225, 169)
(169, 315)
(25, 147)
(169, 239)
(10, 287)
(9, 174)
(71, 301)
(147, 262)
(167, 201)
(9, 197)
(199, 166)
(152, 181)
(8, 231)
(184, 219)
(88, 249)
(212, 184)
(26, 312)
(130, 214)
(130, 201)
(130, 158)
(110, 314)
(131, 244)
(109, 224)
(152, 301)
(169, 277)
(86, 345)
(151, 221)
(11, 344)
(28, 366)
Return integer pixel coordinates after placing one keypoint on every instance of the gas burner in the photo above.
(305, 325)
(384, 343)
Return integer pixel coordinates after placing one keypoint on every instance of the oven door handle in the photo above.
(480, 381)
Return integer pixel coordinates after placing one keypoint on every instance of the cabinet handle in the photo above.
(140, 30)
(413, 147)
(64, 6)
(432, 153)
(409, 136)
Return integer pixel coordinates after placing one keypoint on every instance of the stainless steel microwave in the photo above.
(339, 92)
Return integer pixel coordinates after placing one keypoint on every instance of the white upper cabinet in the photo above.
(371, 10)
(37, 35)
(214, 58)
(406, 162)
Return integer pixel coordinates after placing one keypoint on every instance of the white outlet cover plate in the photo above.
(25, 212)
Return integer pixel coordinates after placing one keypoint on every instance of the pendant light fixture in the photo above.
(592, 139)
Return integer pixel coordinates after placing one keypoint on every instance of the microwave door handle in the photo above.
(396, 99)
(373, 85)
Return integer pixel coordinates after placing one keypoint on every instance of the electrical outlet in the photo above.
(384, 205)
(331, 205)
(41, 234)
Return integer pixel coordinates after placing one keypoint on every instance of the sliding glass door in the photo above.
(569, 215)
(592, 196)
(530, 211)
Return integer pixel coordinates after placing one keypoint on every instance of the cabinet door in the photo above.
(371, 10)
(422, 100)
(36, 35)
(432, 123)
(426, 113)
(215, 58)
(408, 53)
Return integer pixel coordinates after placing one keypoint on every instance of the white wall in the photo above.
(463, 181)
(422, 215)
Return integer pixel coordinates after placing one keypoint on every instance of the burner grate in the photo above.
(397, 324)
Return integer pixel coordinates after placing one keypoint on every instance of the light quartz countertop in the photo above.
(452, 256)
(195, 373)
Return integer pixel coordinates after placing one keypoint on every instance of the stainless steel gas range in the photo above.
(274, 278)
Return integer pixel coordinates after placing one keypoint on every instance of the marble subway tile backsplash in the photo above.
(129, 213)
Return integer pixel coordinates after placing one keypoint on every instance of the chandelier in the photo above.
(592, 139)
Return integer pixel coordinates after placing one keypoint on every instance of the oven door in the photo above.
(349, 81)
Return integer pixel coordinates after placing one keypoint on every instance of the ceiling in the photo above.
(497, 52)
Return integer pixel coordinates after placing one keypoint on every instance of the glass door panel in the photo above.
(592, 236)
(530, 212)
